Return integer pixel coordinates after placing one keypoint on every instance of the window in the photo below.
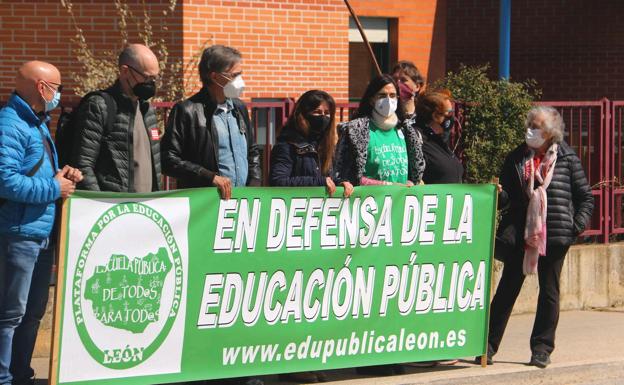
(381, 34)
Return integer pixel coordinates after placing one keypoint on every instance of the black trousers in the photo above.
(547, 315)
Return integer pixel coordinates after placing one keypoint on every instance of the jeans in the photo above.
(547, 315)
(25, 268)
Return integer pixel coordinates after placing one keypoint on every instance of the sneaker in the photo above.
(28, 381)
(490, 356)
(540, 359)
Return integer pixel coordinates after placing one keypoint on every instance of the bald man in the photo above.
(126, 159)
(30, 183)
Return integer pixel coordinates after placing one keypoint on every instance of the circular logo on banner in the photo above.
(124, 305)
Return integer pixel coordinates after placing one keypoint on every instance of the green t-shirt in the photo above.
(387, 155)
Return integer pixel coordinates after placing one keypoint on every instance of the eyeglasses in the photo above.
(146, 77)
(231, 75)
(59, 87)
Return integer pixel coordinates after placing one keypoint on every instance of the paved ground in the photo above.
(590, 351)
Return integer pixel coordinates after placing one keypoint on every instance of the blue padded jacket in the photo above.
(28, 209)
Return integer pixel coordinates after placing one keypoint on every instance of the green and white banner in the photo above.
(180, 285)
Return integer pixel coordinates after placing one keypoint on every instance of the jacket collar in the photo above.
(25, 112)
(564, 150)
(124, 100)
(294, 137)
(430, 135)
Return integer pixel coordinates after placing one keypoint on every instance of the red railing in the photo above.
(594, 129)
(615, 168)
(267, 118)
(587, 132)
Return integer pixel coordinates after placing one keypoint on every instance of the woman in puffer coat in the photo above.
(546, 204)
(303, 157)
(304, 152)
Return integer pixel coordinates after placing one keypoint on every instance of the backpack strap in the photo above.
(37, 165)
(111, 108)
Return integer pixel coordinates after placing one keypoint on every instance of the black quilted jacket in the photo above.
(191, 146)
(106, 158)
(570, 201)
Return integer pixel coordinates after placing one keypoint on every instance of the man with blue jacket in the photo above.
(30, 183)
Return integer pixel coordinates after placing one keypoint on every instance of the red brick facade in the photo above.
(572, 48)
(289, 46)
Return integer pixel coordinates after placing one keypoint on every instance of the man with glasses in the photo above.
(30, 183)
(122, 154)
(208, 140)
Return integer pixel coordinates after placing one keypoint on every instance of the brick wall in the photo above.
(43, 30)
(289, 46)
(574, 48)
(421, 30)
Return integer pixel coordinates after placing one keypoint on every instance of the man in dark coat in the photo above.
(208, 140)
(127, 158)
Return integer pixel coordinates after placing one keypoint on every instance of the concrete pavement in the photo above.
(590, 351)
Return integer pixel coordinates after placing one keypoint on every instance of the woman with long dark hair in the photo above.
(304, 152)
(376, 147)
(303, 156)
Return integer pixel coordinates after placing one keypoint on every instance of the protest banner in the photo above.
(180, 285)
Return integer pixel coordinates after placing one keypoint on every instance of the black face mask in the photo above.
(318, 126)
(447, 125)
(145, 90)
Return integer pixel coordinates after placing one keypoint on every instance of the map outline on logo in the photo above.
(127, 357)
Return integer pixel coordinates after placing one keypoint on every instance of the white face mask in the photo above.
(386, 106)
(534, 138)
(234, 88)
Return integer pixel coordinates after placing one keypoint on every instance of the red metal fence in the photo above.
(594, 129)
(587, 133)
(267, 119)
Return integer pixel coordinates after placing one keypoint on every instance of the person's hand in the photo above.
(348, 189)
(495, 180)
(224, 185)
(67, 186)
(409, 183)
(73, 174)
(331, 186)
